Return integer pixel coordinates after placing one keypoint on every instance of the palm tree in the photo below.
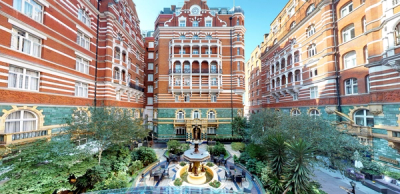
(299, 168)
(276, 151)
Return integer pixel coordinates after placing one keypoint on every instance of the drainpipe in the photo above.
(97, 53)
(230, 19)
(339, 103)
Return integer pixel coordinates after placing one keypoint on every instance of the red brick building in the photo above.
(60, 54)
(199, 80)
(338, 61)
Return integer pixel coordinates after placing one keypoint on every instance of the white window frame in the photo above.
(176, 98)
(151, 44)
(350, 59)
(211, 115)
(208, 23)
(364, 117)
(295, 113)
(182, 23)
(213, 98)
(314, 113)
(22, 120)
(351, 86)
(150, 77)
(20, 38)
(81, 89)
(150, 101)
(22, 78)
(314, 92)
(84, 17)
(150, 55)
(83, 40)
(348, 33)
(195, 24)
(187, 98)
(312, 50)
(367, 84)
(310, 30)
(211, 131)
(150, 66)
(82, 65)
(150, 89)
(346, 9)
(37, 9)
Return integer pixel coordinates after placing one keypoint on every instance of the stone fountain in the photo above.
(196, 170)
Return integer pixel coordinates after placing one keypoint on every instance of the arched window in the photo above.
(208, 37)
(297, 75)
(182, 37)
(275, 41)
(346, 9)
(314, 113)
(83, 16)
(310, 30)
(348, 33)
(364, 23)
(211, 115)
(273, 83)
(351, 86)
(295, 112)
(117, 73)
(277, 67)
(397, 34)
(312, 50)
(195, 37)
(272, 68)
(350, 59)
(195, 24)
(289, 60)
(238, 22)
(238, 37)
(283, 80)
(292, 25)
(21, 121)
(177, 67)
(278, 82)
(290, 77)
(310, 9)
(282, 63)
(196, 114)
(364, 118)
(117, 53)
(180, 115)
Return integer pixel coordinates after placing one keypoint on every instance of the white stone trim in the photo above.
(27, 28)
(84, 31)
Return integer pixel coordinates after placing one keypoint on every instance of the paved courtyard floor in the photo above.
(331, 182)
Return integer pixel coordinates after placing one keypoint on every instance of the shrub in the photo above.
(135, 166)
(144, 154)
(391, 174)
(175, 147)
(210, 164)
(182, 163)
(217, 150)
(215, 184)
(238, 146)
(178, 182)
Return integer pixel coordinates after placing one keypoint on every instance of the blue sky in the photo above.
(258, 13)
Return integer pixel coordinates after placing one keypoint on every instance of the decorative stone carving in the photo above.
(330, 109)
(375, 109)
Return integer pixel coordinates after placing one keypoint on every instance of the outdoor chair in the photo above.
(246, 190)
(238, 179)
(244, 175)
(231, 167)
(227, 176)
(166, 173)
(156, 179)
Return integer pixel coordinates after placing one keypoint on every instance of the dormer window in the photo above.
(182, 23)
(208, 23)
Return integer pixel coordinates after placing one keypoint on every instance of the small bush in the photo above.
(391, 174)
(217, 150)
(210, 164)
(144, 154)
(215, 184)
(178, 182)
(135, 167)
(182, 163)
(238, 146)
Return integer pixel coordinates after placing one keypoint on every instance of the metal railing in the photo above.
(136, 87)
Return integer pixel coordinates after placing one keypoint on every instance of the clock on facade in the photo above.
(195, 10)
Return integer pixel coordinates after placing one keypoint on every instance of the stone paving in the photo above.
(331, 182)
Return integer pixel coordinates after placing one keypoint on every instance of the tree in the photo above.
(44, 166)
(106, 126)
(238, 125)
(276, 150)
(301, 160)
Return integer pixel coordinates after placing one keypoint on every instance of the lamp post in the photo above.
(353, 185)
